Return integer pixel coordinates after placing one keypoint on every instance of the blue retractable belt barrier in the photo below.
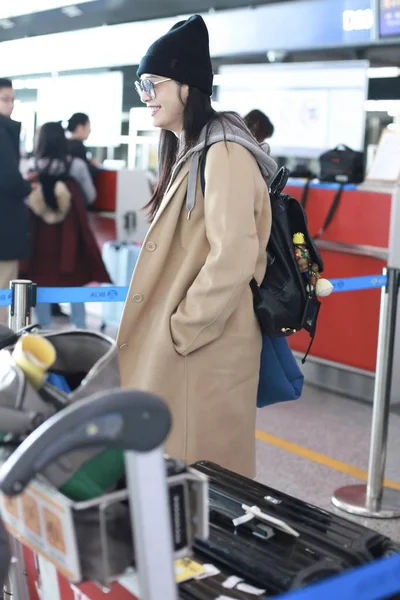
(73, 295)
(118, 294)
(320, 185)
(352, 284)
(375, 581)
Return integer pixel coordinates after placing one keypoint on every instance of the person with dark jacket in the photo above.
(14, 242)
(79, 129)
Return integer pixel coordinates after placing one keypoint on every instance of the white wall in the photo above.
(313, 106)
(100, 96)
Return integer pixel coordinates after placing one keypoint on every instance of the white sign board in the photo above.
(313, 106)
(386, 165)
(99, 96)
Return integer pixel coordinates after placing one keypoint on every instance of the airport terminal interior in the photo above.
(130, 233)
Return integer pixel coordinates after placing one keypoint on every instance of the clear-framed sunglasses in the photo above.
(147, 86)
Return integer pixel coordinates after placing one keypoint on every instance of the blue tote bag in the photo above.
(281, 379)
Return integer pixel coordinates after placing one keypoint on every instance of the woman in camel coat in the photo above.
(189, 332)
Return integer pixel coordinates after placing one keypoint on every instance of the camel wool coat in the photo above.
(188, 332)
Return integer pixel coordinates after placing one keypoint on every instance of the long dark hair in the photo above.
(197, 114)
(52, 143)
(76, 120)
(52, 146)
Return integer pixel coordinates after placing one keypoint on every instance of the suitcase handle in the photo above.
(254, 512)
(126, 419)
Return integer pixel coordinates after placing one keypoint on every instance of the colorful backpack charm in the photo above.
(322, 287)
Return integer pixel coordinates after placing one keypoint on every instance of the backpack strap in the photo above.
(198, 160)
(304, 196)
(331, 212)
(192, 183)
(279, 181)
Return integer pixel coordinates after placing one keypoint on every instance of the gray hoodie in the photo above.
(232, 133)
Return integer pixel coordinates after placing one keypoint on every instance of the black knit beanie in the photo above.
(183, 54)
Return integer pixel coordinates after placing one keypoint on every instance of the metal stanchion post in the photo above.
(22, 301)
(17, 588)
(373, 500)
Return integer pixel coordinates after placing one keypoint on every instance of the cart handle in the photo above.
(126, 419)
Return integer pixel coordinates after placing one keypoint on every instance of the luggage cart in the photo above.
(138, 423)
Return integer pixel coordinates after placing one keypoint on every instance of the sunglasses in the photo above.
(147, 86)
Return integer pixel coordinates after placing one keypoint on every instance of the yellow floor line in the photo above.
(317, 457)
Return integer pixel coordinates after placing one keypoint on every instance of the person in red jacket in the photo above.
(64, 252)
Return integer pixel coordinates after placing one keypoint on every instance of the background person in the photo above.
(14, 242)
(79, 129)
(259, 125)
(64, 251)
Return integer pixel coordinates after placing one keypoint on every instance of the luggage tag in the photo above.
(237, 583)
(254, 512)
(186, 569)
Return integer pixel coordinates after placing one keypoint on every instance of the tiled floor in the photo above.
(331, 425)
(326, 424)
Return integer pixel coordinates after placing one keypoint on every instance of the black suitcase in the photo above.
(224, 583)
(325, 541)
(268, 561)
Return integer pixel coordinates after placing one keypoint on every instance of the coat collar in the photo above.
(176, 182)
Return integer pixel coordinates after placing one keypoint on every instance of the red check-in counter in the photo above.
(106, 187)
(121, 196)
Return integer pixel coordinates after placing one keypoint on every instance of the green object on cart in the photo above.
(95, 477)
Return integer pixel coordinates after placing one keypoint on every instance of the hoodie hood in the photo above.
(220, 132)
(230, 132)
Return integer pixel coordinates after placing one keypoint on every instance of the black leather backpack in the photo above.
(282, 302)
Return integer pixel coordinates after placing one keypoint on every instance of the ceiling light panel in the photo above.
(72, 11)
(6, 24)
(17, 8)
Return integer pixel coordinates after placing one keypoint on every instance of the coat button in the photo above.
(122, 346)
(151, 246)
(137, 298)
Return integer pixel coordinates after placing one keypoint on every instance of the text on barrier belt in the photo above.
(107, 293)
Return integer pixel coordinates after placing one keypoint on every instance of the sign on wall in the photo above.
(98, 95)
(389, 18)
